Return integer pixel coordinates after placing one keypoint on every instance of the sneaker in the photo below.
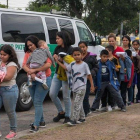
(67, 119)
(0, 134)
(103, 109)
(42, 125)
(123, 109)
(109, 108)
(80, 121)
(128, 103)
(115, 107)
(59, 117)
(72, 123)
(88, 113)
(93, 110)
(45, 86)
(30, 84)
(11, 135)
(34, 129)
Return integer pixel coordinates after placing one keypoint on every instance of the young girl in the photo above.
(91, 60)
(8, 87)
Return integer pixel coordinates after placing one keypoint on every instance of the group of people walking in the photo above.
(77, 70)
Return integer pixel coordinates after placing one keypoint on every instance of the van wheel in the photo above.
(24, 102)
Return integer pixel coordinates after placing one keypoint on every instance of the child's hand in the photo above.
(122, 57)
(92, 89)
(45, 46)
(116, 69)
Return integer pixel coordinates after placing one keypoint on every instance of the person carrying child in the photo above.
(79, 71)
(37, 59)
(107, 79)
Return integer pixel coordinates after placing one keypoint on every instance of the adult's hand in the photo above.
(55, 56)
(31, 71)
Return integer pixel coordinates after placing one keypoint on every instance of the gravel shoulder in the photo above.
(115, 125)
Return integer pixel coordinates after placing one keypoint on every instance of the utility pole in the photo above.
(121, 32)
(7, 4)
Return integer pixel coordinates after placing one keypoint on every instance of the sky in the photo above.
(14, 4)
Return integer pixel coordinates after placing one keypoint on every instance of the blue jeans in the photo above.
(38, 94)
(55, 87)
(8, 98)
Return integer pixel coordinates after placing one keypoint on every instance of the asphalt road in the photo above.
(27, 117)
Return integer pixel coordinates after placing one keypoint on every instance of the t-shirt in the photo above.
(13, 80)
(79, 74)
(118, 49)
(59, 49)
(105, 73)
(27, 55)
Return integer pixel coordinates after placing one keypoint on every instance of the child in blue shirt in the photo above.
(107, 80)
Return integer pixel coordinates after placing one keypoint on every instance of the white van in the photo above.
(16, 25)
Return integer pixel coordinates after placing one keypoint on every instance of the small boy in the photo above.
(79, 71)
(37, 59)
(126, 76)
(107, 79)
(104, 98)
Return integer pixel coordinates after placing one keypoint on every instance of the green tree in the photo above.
(3, 6)
(41, 6)
(106, 15)
(74, 7)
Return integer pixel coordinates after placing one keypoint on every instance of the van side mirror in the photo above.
(98, 40)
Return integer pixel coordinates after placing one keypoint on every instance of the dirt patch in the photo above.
(114, 125)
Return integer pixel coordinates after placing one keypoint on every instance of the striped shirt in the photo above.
(40, 56)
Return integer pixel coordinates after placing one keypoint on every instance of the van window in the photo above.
(15, 28)
(84, 33)
(52, 29)
(66, 25)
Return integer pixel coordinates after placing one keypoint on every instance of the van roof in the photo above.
(37, 13)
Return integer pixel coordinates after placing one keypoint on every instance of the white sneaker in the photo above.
(45, 86)
(115, 107)
(109, 108)
(0, 134)
(30, 84)
(103, 109)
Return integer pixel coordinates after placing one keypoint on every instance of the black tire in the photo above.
(24, 102)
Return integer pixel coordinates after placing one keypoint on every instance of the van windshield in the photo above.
(84, 33)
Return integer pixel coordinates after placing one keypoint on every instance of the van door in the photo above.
(85, 35)
(52, 30)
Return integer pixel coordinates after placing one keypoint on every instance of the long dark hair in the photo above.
(33, 39)
(129, 39)
(66, 39)
(12, 54)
